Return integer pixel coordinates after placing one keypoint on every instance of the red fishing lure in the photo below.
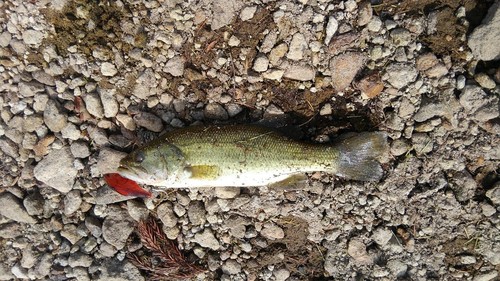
(125, 186)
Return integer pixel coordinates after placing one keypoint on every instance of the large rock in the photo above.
(485, 39)
(53, 117)
(224, 12)
(56, 170)
(481, 106)
(300, 72)
(109, 160)
(399, 75)
(115, 270)
(207, 239)
(12, 208)
(344, 68)
(116, 229)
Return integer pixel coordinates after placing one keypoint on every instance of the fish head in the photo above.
(155, 164)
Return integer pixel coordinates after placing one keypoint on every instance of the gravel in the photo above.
(84, 84)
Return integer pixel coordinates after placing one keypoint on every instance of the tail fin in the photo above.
(358, 156)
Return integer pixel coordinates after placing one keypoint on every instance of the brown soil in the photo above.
(302, 258)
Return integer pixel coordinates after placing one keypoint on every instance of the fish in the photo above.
(248, 155)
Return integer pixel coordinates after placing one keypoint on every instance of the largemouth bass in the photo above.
(248, 155)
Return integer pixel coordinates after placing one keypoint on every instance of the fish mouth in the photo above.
(131, 173)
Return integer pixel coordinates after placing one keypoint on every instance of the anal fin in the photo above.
(291, 181)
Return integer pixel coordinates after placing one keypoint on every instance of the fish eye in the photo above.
(139, 157)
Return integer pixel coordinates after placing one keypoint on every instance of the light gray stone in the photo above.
(78, 259)
(426, 61)
(32, 37)
(261, 63)
(9, 147)
(70, 131)
(109, 103)
(166, 214)
(80, 149)
(137, 210)
(422, 143)
(5, 273)
(56, 170)
(175, 66)
(331, 29)
(93, 105)
(401, 36)
(485, 81)
(401, 74)
(483, 41)
(300, 72)
(357, 250)
(281, 274)
(71, 233)
(231, 267)
(481, 106)
(207, 239)
(29, 257)
(375, 24)
(382, 236)
(491, 275)
(106, 195)
(397, 267)
(196, 213)
(115, 270)
(72, 202)
(224, 12)
(365, 13)
(54, 117)
(268, 42)
(108, 160)
(5, 38)
(44, 78)
(108, 69)
(297, 47)
(247, 13)
(227, 192)
(13, 209)
(272, 232)
(116, 228)
(42, 269)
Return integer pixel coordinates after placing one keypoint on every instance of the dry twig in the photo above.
(163, 260)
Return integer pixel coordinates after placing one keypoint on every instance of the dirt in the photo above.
(448, 38)
(72, 23)
(301, 257)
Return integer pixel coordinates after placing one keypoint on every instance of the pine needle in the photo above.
(162, 259)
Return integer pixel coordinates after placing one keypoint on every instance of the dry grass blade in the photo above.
(162, 259)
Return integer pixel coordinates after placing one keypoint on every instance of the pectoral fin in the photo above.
(204, 172)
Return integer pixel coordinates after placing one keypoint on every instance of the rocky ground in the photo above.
(84, 82)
